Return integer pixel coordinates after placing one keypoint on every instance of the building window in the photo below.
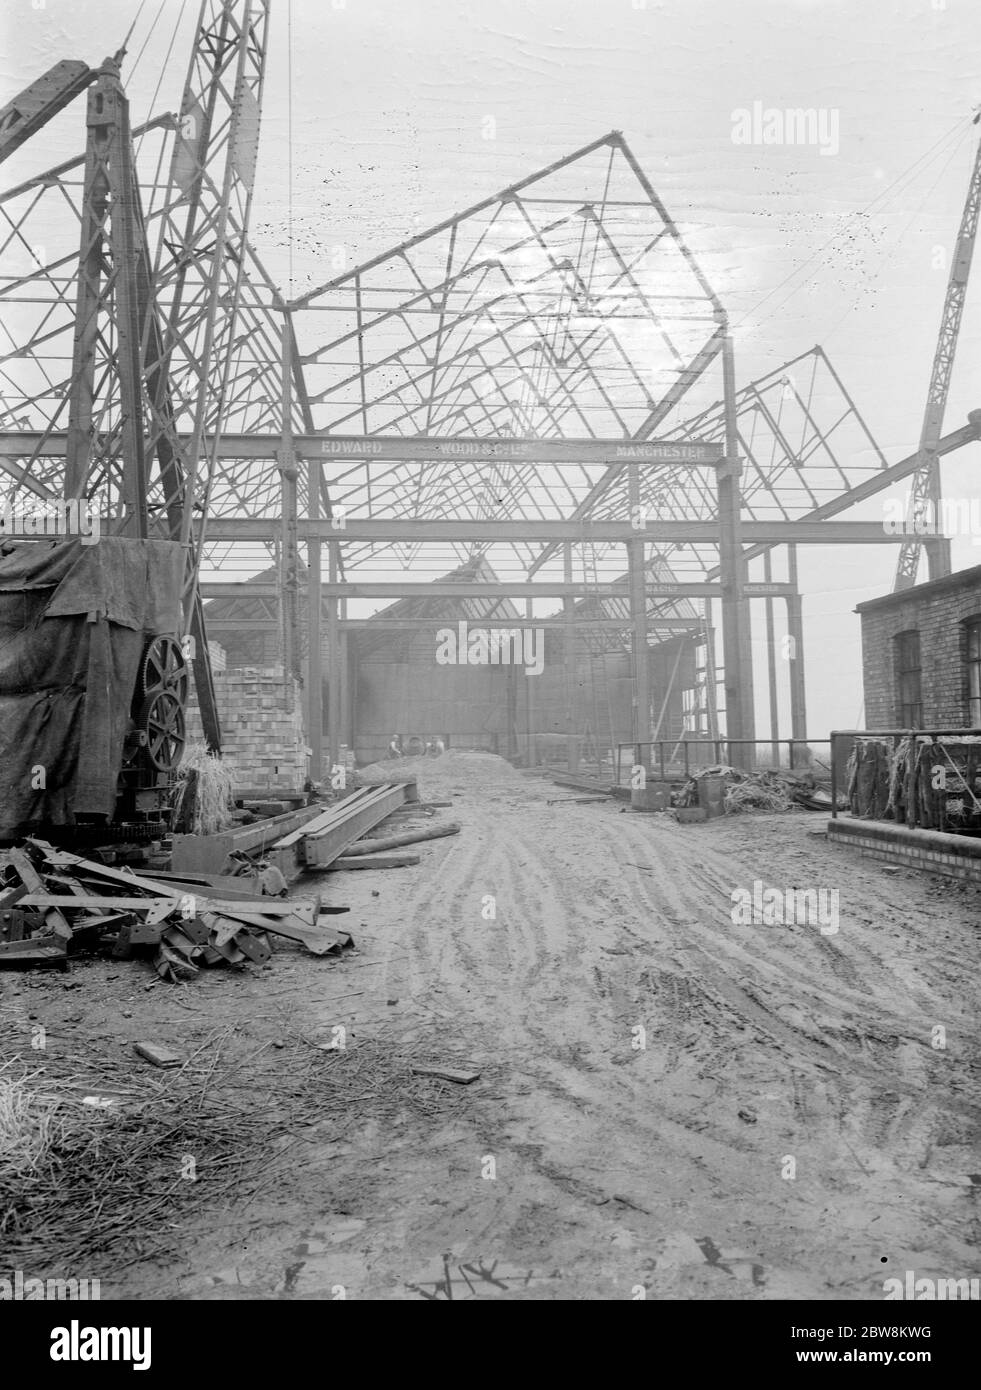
(972, 664)
(909, 696)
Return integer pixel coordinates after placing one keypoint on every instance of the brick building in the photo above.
(921, 655)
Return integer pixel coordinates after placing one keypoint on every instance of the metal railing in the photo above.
(843, 741)
(720, 752)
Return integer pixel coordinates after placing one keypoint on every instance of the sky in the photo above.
(383, 116)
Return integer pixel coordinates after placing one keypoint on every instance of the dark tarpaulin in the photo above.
(74, 620)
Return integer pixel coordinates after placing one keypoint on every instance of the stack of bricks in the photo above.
(262, 735)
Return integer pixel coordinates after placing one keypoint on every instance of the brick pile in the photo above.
(263, 740)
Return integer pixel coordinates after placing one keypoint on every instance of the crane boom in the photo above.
(924, 508)
(38, 103)
(202, 248)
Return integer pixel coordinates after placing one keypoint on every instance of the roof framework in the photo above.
(567, 306)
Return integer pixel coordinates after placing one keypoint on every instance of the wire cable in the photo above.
(890, 255)
(289, 138)
(163, 68)
(927, 155)
(129, 35)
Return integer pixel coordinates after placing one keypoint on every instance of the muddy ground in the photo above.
(671, 1104)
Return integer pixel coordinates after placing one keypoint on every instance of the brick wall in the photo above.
(263, 742)
(931, 851)
(936, 610)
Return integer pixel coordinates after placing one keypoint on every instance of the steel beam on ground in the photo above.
(347, 821)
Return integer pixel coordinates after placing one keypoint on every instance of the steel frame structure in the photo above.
(518, 348)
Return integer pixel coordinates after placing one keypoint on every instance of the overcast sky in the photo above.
(389, 99)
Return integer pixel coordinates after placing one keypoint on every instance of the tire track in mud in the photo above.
(605, 921)
(726, 984)
(707, 882)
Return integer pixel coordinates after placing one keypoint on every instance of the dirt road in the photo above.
(671, 1104)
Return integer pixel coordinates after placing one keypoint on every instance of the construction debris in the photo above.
(52, 901)
(159, 1055)
(458, 1074)
(766, 789)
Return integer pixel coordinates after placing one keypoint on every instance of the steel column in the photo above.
(771, 668)
(333, 661)
(569, 613)
(737, 653)
(638, 621)
(315, 662)
(795, 629)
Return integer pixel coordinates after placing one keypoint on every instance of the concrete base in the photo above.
(655, 796)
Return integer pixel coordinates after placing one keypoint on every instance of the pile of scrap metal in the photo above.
(765, 789)
(53, 903)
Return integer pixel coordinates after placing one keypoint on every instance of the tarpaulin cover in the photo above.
(74, 620)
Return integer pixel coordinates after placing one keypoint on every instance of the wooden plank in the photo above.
(462, 1076)
(409, 837)
(411, 806)
(374, 861)
(159, 1055)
